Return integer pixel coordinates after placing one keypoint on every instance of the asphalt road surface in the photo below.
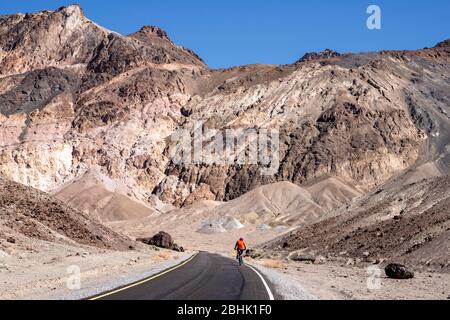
(205, 277)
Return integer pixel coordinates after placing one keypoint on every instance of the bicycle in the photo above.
(240, 257)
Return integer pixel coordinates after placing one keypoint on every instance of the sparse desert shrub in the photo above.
(165, 255)
(270, 263)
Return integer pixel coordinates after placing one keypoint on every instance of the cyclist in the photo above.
(240, 248)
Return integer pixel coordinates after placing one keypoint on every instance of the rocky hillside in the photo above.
(409, 224)
(74, 96)
(26, 213)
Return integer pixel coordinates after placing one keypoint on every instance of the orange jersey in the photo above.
(241, 245)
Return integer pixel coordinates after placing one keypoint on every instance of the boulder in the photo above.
(398, 271)
(162, 240)
(177, 248)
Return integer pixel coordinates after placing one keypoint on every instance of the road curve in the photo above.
(206, 277)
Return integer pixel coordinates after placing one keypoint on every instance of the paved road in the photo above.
(206, 277)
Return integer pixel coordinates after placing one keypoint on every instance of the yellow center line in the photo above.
(144, 281)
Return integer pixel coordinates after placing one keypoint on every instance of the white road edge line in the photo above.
(271, 297)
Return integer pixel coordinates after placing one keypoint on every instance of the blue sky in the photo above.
(237, 32)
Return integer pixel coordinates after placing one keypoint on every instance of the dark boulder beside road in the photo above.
(398, 271)
(162, 240)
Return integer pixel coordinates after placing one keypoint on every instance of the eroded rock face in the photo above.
(332, 121)
(36, 41)
(74, 95)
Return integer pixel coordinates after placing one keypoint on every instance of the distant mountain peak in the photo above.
(326, 54)
(71, 10)
(154, 31)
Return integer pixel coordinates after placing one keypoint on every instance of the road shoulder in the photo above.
(283, 286)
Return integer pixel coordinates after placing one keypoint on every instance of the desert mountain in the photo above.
(66, 39)
(75, 96)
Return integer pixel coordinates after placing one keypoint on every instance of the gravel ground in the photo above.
(46, 270)
(337, 281)
(285, 287)
(333, 281)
